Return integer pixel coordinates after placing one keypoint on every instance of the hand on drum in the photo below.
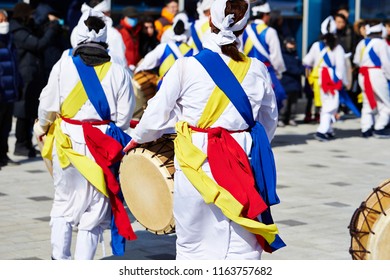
(132, 144)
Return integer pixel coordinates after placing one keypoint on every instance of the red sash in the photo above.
(368, 86)
(106, 152)
(327, 83)
(231, 169)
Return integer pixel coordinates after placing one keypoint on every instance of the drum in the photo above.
(146, 178)
(370, 226)
(145, 87)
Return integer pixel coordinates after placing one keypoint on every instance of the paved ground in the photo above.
(320, 186)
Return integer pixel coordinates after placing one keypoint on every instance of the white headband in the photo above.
(83, 33)
(328, 26)
(265, 8)
(222, 22)
(101, 7)
(374, 29)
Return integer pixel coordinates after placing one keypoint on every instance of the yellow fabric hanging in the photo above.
(170, 60)
(190, 159)
(313, 80)
(66, 155)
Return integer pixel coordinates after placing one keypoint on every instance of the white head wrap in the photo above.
(265, 8)
(203, 5)
(328, 26)
(101, 7)
(83, 33)
(222, 22)
(184, 18)
(374, 29)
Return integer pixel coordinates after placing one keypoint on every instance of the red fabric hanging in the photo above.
(368, 86)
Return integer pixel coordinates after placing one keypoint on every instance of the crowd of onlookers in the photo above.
(32, 39)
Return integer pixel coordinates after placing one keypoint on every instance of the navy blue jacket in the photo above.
(291, 79)
(9, 76)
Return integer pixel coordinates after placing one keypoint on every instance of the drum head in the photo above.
(147, 187)
(370, 226)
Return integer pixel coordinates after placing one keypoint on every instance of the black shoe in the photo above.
(330, 135)
(367, 133)
(382, 134)
(321, 137)
(7, 161)
(25, 152)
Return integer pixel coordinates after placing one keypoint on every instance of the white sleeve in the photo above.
(152, 59)
(268, 113)
(49, 100)
(276, 57)
(358, 50)
(126, 101)
(340, 64)
(309, 58)
(384, 55)
(160, 114)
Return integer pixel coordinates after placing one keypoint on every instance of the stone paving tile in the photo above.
(320, 186)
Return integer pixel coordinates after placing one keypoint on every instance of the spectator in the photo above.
(130, 29)
(344, 32)
(9, 86)
(44, 14)
(291, 80)
(148, 36)
(168, 13)
(30, 49)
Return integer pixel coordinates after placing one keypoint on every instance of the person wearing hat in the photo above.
(83, 112)
(168, 13)
(174, 46)
(114, 39)
(29, 52)
(200, 27)
(372, 58)
(130, 29)
(223, 108)
(326, 58)
(262, 41)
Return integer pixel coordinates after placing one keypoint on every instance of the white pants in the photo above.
(76, 204)
(382, 97)
(61, 240)
(330, 104)
(203, 232)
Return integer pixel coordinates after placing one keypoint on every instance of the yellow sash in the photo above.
(190, 159)
(249, 43)
(170, 59)
(313, 80)
(66, 155)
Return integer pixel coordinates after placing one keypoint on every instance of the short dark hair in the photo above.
(94, 3)
(341, 16)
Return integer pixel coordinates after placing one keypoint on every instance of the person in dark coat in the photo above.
(44, 15)
(30, 64)
(9, 86)
(291, 80)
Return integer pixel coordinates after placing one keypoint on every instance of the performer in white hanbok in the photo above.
(217, 207)
(373, 59)
(326, 58)
(165, 54)
(200, 27)
(82, 129)
(262, 42)
(116, 46)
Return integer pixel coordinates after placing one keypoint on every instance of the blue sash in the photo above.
(329, 63)
(262, 159)
(195, 37)
(373, 56)
(98, 98)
